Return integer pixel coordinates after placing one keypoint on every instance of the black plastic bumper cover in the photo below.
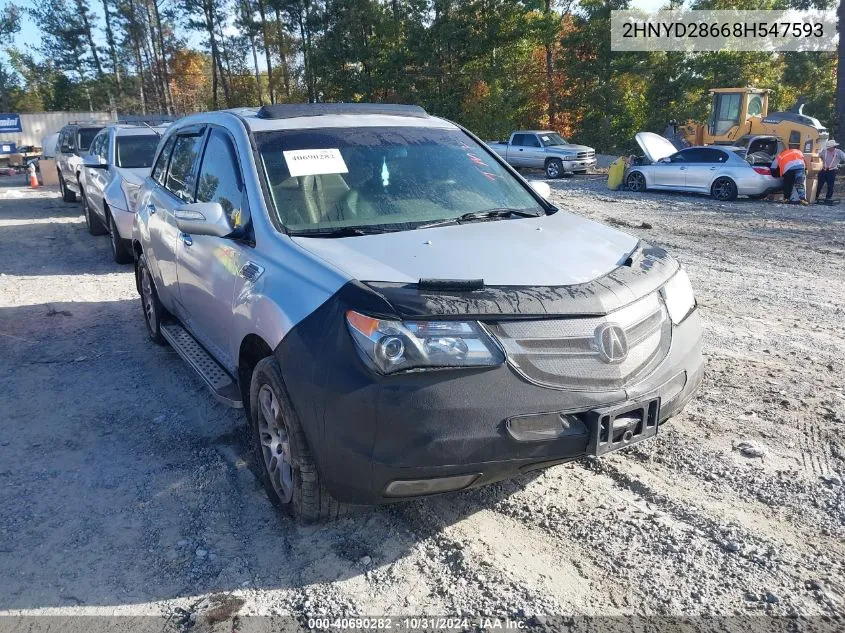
(366, 430)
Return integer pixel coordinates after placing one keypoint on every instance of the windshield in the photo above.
(86, 135)
(552, 139)
(397, 178)
(136, 151)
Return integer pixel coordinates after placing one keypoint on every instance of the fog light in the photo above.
(416, 487)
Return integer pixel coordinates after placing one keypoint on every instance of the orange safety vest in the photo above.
(787, 156)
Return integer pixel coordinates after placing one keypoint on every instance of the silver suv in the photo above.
(74, 140)
(398, 311)
(112, 172)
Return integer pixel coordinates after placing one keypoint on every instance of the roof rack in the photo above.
(295, 110)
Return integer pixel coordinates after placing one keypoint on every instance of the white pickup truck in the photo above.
(545, 150)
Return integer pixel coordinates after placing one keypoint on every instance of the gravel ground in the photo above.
(126, 489)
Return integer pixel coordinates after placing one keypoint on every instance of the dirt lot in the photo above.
(125, 488)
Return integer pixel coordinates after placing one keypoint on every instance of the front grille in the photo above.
(565, 353)
(585, 155)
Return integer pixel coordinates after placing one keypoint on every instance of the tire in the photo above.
(723, 189)
(554, 168)
(95, 226)
(154, 312)
(635, 181)
(281, 451)
(67, 194)
(119, 252)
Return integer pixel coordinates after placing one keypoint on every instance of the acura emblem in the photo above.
(611, 343)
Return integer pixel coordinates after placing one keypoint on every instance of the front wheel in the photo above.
(95, 227)
(635, 181)
(554, 168)
(154, 312)
(67, 194)
(723, 189)
(119, 252)
(288, 471)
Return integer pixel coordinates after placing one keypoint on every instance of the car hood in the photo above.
(552, 250)
(135, 175)
(569, 149)
(655, 146)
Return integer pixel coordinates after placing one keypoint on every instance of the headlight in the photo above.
(401, 345)
(131, 192)
(678, 296)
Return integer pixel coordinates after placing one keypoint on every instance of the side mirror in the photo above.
(203, 218)
(66, 149)
(95, 162)
(665, 159)
(541, 188)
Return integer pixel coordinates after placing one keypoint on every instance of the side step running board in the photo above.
(218, 380)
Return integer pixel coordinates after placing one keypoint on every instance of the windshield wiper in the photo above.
(490, 214)
(497, 213)
(341, 231)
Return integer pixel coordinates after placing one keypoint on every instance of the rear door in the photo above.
(704, 165)
(67, 146)
(208, 266)
(535, 155)
(519, 150)
(97, 179)
(175, 185)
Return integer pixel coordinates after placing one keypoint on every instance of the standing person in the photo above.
(831, 157)
(793, 169)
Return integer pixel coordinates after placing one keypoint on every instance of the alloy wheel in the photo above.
(723, 189)
(275, 444)
(147, 299)
(553, 169)
(636, 182)
(114, 236)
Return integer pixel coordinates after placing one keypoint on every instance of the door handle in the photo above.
(683, 168)
(151, 208)
(712, 169)
(187, 240)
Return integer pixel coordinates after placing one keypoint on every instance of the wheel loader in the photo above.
(736, 113)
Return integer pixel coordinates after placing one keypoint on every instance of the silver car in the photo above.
(112, 172)
(398, 311)
(713, 169)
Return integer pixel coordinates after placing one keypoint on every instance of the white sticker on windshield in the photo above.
(311, 162)
(545, 138)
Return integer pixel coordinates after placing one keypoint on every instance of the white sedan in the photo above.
(716, 170)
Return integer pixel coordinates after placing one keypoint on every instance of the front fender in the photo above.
(113, 196)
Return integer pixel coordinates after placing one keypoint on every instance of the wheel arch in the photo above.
(253, 348)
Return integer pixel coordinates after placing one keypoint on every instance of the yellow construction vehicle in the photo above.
(737, 113)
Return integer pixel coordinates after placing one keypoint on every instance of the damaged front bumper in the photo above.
(380, 438)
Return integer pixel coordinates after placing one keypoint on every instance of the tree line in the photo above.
(492, 65)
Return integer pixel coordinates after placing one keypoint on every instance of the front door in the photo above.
(208, 266)
(671, 173)
(178, 188)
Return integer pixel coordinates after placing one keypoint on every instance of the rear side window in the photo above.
(220, 178)
(700, 155)
(86, 135)
(161, 164)
(181, 175)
